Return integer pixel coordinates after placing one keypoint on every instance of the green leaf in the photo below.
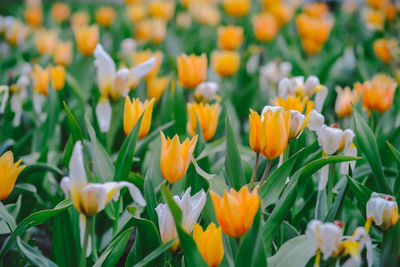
(69, 147)
(34, 255)
(150, 196)
(126, 153)
(337, 206)
(7, 217)
(273, 186)
(175, 210)
(155, 253)
(73, 125)
(233, 162)
(361, 192)
(212, 148)
(367, 143)
(391, 246)
(114, 251)
(180, 110)
(6, 145)
(252, 251)
(143, 144)
(33, 220)
(395, 152)
(298, 251)
(40, 167)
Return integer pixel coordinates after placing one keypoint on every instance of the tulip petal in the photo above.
(82, 230)
(104, 113)
(4, 89)
(141, 70)
(65, 185)
(105, 67)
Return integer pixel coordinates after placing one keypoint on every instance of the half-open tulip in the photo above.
(9, 172)
(34, 16)
(209, 243)
(45, 41)
(191, 208)
(175, 157)
(156, 87)
(91, 198)
(225, 63)
(345, 100)
(163, 9)
(378, 93)
(385, 49)
(86, 38)
(57, 77)
(136, 12)
(236, 210)
(207, 115)
(105, 16)
(265, 27)
(236, 8)
(383, 210)
(230, 37)
(63, 53)
(132, 113)
(41, 79)
(192, 70)
(80, 18)
(60, 12)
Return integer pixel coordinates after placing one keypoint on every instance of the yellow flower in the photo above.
(257, 136)
(34, 16)
(60, 12)
(9, 172)
(156, 87)
(175, 157)
(163, 9)
(86, 38)
(294, 103)
(378, 93)
(16, 33)
(208, 118)
(192, 70)
(45, 41)
(230, 37)
(205, 13)
(62, 53)
(80, 18)
(133, 111)
(283, 13)
(136, 12)
(209, 243)
(391, 11)
(41, 79)
(276, 126)
(236, 210)
(57, 77)
(225, 63)
(142, 56)
(385, 49)
(151, 30)
(105, 16)
(374, 19)
(316, 10)
(236, 8)
(265, 27)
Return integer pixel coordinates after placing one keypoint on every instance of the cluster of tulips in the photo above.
(200, 133)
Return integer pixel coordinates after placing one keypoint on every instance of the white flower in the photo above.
(206, 91)
(5, 91)
(313, 121)
(274, 72)
(128, 46)
(383, 209)
(191, 208)
(91, 198)
(114, 84)
(326, 236)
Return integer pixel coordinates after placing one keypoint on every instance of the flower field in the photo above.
(199, 133)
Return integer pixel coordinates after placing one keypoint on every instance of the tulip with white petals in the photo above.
(334, 140)
(191, 208)
(206, 91)
(128, 46)
(91, 198)
(383, 210)
(5, 91)
(114, 84)
(298, 122)
(275, 71)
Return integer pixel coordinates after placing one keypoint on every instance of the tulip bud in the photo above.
(41, 79)
(230, 37)
(10, 172)
(192, 70)
(236, 8)
(105, 16)
(57, 77)
(60, 12)
(86, 38)
(209, 243)
(80, 18)
(265, 27)
(128, 46)
(63, 53)
(133, 111)
(225, 63)
(207, 115)
(157, 86)
(45, 41)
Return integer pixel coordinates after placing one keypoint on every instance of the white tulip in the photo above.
(383, 209)
(206, 91)
(5, 91)
(128, 46)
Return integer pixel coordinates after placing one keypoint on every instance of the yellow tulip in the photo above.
(236, 210)
(294, 103)
(34, 16)
(205, 13)
(265, 27)
(86, 38)
(45, 41)
(133, 111)
(62, 53)
(157, 86)
(316, 9)
(225, 63)
(283, 13)
(41, 79)
(192, 70)
(257, 135)
(142, 56)
(9, 172)
(175, 157)
(236, 8)
(60, 12)
(209, 243)
(163, 9)
(385, 49)
(80, 18)
(230, 37)
(151, 30)
(136, 12)
(57, 77)
(208, 118)
(105, 16)
(344, 101)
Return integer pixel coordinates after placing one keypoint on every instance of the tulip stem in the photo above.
(254, 171)
(331, 181)
(265, 174)
(88, 229)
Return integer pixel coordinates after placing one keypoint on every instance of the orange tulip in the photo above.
(374, 19)
(230, 37)
(57, 77)
(163, 9)
(80, 18)
(45, 40)
(133, 111)
(316, 10)
(265, 27)
(378, 93)
(225, 63)
(151, 30)
(34, 16)
(62, 53)
(175, 157)
(385, 49)
(257, 135)
(192, 70)
(136, 12)
(205, 13)
(86, 38)
(208, 118)
(344, 101)
(236, 8)
(9, 172)
(142, 56)
(156, 87)
(391, 11)
(283, 13)
(60, 12)
(236, 210)
(209, 243)
(41, 79)
(105, 16)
